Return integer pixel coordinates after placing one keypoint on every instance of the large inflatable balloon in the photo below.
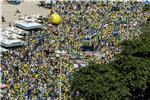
(55, 19)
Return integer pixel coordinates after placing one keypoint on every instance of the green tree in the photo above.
(98, 82)
(135, 72)
(126, 77)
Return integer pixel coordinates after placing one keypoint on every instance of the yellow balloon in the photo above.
(55, 19)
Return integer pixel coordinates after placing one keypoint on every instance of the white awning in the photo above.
(28, 25)
(17, 30)
(3, 49)
(12, 43)
(10, 34)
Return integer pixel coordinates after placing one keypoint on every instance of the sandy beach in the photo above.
(27, 8)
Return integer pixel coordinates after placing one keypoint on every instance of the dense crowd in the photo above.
(38, 72)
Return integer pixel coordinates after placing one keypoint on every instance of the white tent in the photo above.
(28, 25)
(10, 35)
(12, 43)
(17, 31)
(2, 49)
(7, 42)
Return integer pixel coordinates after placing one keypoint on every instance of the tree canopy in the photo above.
(125, 78)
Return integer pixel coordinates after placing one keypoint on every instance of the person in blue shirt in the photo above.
(116, 32)
(146, 2)
(28, 93)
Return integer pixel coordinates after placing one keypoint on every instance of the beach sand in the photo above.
(27, 8)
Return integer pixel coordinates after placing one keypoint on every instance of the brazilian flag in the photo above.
(124, 20)
(74, 51)
(88, 44)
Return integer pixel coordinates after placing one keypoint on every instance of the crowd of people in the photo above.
(38, 72)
